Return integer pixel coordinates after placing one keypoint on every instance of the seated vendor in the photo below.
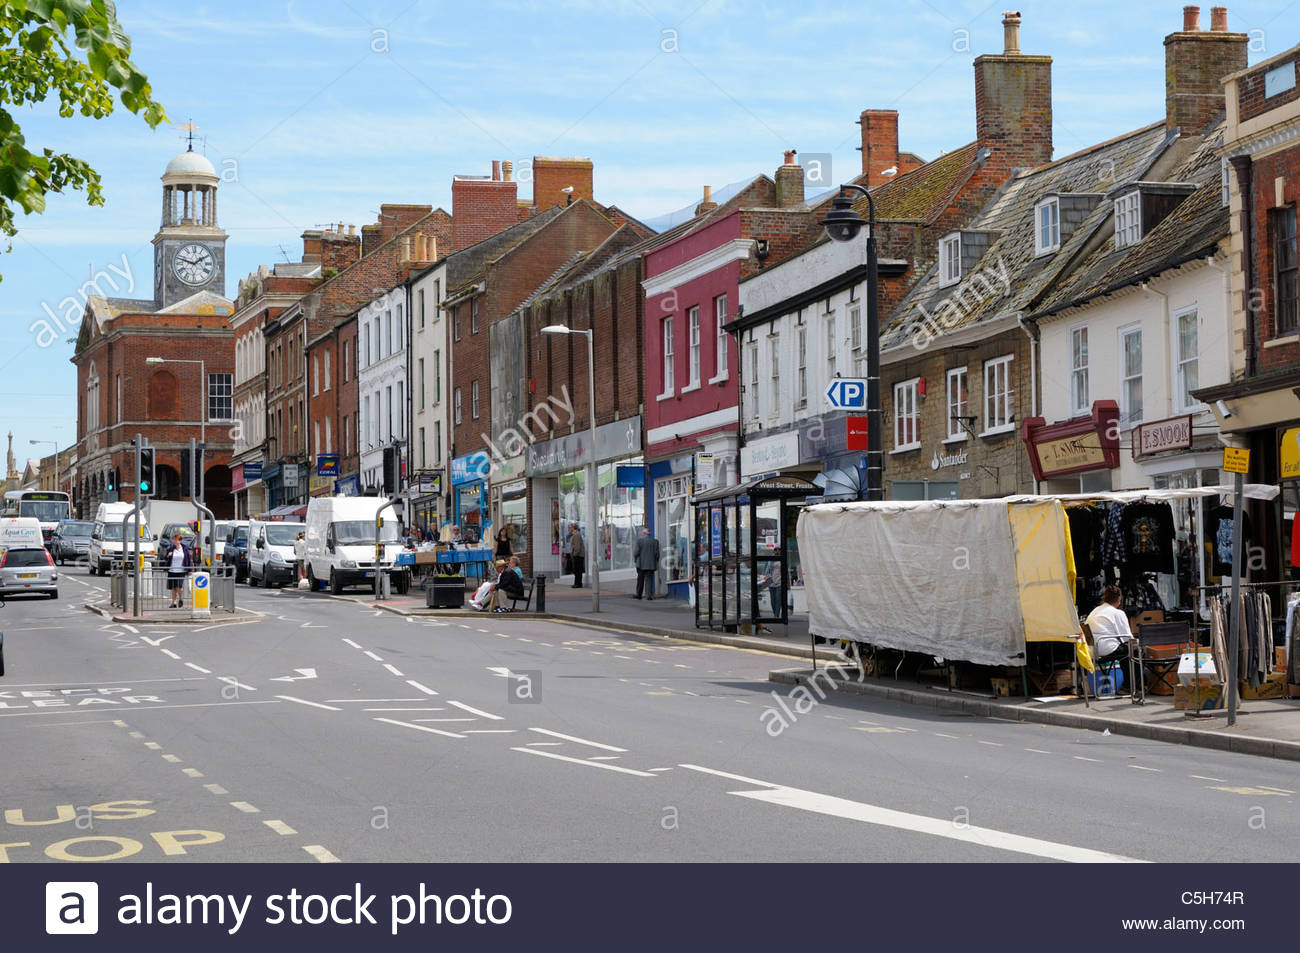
(1109, 627)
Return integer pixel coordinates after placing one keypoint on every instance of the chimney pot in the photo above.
(507, 170)
(1011, 33)
(352, 230)
(708, 193)
(1219, 19)
(496, 170)
(1191, 19)
(789, 156)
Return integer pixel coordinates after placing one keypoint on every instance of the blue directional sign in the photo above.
(847, 393)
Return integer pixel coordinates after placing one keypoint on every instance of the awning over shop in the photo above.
(289, 513)
(769, 487)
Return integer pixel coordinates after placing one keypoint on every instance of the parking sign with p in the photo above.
(847, 393)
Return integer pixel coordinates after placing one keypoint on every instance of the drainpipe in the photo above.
(1030, 327)
(1168, 349)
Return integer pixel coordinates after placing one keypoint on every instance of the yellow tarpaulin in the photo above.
(1045, 570)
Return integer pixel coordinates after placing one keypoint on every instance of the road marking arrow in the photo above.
(303, 675)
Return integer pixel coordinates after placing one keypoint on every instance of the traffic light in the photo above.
(391, 464)
(112, 479)
(146, 471)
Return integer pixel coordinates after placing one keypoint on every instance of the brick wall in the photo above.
(1284, 165)
(1195, 64)
(1250, 91)
(481, 208)
(879, 144)
(552, 175)
(1013, 108)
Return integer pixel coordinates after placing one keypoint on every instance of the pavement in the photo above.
(335, 730)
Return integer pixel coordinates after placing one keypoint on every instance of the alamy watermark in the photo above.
(54, 327)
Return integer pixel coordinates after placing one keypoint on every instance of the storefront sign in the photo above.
(1236, 460)
(703, 472)
(772, 453)
(1289, 459)
(252, 472)
(941, 460)
(291, 476)
(614, 441)
(1074, 446)
(855, 434)
(428, 484)
(715, 528)
(630, 477)
(1161, 435)
(237, 478)
(327, 464)
(348, 485)
(318, 484)
(470, 468)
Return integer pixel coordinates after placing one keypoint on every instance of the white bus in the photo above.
(47, 506)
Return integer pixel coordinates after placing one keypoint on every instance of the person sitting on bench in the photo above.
(1109, 627)
(508, 586)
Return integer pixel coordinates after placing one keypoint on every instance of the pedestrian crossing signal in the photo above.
(146, 471)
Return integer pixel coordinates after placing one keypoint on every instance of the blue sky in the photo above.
(318, 112)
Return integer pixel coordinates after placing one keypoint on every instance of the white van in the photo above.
(20, 532)
(106, 544)
(270, 552)
(341, 542)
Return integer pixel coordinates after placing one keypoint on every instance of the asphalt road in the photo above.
(334, 731)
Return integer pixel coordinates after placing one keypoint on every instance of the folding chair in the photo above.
(1163, 669)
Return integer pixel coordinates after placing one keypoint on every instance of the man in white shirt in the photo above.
(1109, 627)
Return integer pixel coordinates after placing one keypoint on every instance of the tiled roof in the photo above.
(922, 194)
(1013, 279)
(1190, 231)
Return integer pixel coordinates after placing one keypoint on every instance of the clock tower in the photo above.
(190, 248)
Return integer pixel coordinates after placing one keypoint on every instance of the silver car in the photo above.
(28, 569)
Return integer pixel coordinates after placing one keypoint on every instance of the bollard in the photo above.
(539, 585)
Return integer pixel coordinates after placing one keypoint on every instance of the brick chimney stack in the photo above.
(482, 206)
(707, 205)
(1195, 63)
(879, 144)
(789, 182)
(1013, 102)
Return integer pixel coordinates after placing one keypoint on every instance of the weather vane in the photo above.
(188, 128)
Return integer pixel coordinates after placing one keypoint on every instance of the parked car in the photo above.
(271, 558)
(341, 542)
(235, 551)
(28, 569)
(216, 533)
(71, 540)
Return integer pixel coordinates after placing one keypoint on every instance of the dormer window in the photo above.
(1047, 226)
(950, 259)
(1128, 219)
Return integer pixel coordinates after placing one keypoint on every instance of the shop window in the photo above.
(907, 415)
(1286, 271)
(672, 524)
(514, 516)
(1079, 403)
(999, 396)
(1047, 226)
(958, 400)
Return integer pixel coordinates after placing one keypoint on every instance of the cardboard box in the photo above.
(1006, 687)
(1210, 697)
(1279, 657)
(1187, 669)
(429, 558)
(1272, 687)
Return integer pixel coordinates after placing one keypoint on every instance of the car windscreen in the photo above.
(360, 532)
(22, 558)
(75, 528)
(283, 534)
(47, 511)
(113, 531)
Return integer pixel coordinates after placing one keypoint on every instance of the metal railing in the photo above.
(156, 595)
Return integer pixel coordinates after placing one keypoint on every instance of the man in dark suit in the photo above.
(646, 556)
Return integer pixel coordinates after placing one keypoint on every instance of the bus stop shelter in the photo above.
(743, 540)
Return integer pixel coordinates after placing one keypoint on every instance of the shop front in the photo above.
(1074, 456)
(557, 472)
(509, 495)
(247, 488)
(469, 480)
(674, 482)
(746, 554)
(426, 501)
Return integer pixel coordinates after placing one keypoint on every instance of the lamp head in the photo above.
(557, 329)
(154, 360)
(842, 222)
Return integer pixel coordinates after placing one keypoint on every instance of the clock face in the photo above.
(193, 264)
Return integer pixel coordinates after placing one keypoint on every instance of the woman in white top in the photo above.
(300, 554)
(177, 561)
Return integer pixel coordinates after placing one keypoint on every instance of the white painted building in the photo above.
(430, 402)
(382, 380)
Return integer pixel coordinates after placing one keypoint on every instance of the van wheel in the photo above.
(54, 594)
(335, 588)
(311, 580)
(266, 579)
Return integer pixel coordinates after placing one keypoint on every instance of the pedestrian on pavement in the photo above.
(508, 586)
(1109, 626)
(773, 580)
(577, 555)
(503, 550)
(178, 563)
(300, 554)
(646, 556)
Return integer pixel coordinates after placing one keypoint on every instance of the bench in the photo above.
(526, 599)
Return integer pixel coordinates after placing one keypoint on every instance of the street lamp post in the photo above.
(842, 225)
(593, 533)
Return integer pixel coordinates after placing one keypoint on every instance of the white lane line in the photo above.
(434, 708)
(231, 680)
(581, 741)
(245, 807)
(351, 643)
(369, 701)
(192, 772)
(153, 746)
(521, 638)
(172, 758)
(546, 744)
(992, 744)
(940, 734)
(1202, 777)
(39, 628)
(1038, 751)
(170, 654)
(438, 719)
(47, 711)
(586, 763)
(1269, 787)
(626, 658)
(215, 789)
(321, 854)
(432, 731)
(373, 655)
(155, 642)
(657, 770)
(490, 731)
(222, 625)
(476, 711)
(393, 668)
(280, 827)
(885, 817)
(604, 757)
(420, 688)
(1079, 757)
(303, 701)
(1138, 767)
(135, 734)
(198, 668)
(130, 628)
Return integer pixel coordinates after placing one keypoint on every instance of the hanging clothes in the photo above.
(1292, 657)
(1219, 526)
(1264, 658)
(1140, 594)
(1218, 638)
(1113, 552)
(1087, 528)
(1148, 533)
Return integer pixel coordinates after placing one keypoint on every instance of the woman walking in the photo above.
(503, 550)
(178, 563)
